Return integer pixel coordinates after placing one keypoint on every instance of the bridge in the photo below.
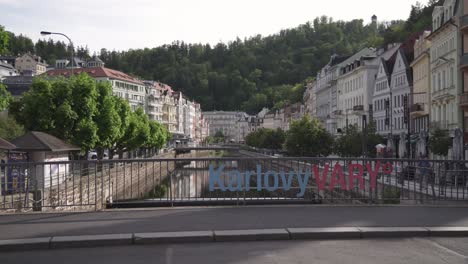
(181, 150)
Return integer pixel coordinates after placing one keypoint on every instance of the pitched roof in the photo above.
(96, 72)
(6, 145)
(40, 141)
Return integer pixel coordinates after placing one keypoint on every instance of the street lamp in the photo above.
(45, 33)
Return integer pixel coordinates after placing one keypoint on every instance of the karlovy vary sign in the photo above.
(234, 180)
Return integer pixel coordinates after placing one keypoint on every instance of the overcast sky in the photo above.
(125, 24)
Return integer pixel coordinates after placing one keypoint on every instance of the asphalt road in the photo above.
(424, 251)
(235, 218)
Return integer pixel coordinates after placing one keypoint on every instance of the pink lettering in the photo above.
(358, 176)
(373, 173)
(338, 169)
(321, 182)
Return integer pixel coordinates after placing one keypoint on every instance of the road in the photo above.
(227, 218)
(415, 250)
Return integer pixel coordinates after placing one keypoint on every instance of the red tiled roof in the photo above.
(96, 73)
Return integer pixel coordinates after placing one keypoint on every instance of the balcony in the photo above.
(439, 124)
(464, 100)
(358, 108)
(416, 108)
(464, 23)
(464, 61)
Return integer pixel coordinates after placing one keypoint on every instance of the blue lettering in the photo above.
(215, 178)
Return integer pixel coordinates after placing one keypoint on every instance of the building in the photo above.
(382, 92)
(444, 61)
(17, 85)
(310, 99)
(153, 100)
(8, 59)
(420, 107)
(225, 122)
(464, 69)
(123, 85)
(42, 147)
(169, 110)
(29, 64)
(6, 70)
(355, 88)
(78, 63)
(326, 92)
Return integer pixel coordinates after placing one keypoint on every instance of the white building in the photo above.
(123, 85)
(224, 121)
(6, 70)
(326, 92)
(154, 101)
(309, 98)
(382, 91)
(445, 88)
(355, 88)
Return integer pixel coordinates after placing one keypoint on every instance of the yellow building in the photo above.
(421, 66)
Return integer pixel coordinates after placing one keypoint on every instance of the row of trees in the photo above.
(86, 113)
(266, 138)
(307, 137)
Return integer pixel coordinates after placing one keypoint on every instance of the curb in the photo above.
(327, 233)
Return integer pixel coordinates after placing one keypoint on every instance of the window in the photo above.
(451, 76)
(443, 79)
(438, 81)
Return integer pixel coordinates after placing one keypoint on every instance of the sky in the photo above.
(132, 24)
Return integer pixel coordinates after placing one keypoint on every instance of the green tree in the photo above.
(350, 144)
(5, 97)
(67, 109)
(107, 119)
(4, 37)
(9, 128)
(266, 138)
(440, 142)
(307, 137)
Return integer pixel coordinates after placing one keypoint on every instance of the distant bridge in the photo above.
(180, 150)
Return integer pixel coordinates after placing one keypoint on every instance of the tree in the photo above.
(5, 97)
(219, 136)
(67, 109)
(350, 144)
(4, 37)
(307, 137)
(107, 119)
(266, 138)
(10, 129)
(440, 142)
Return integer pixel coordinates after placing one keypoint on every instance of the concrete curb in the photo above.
(228, 236)
(251, 235)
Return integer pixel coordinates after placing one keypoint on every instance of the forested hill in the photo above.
(259, 71)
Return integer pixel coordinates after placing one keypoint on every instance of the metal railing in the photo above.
(94, 185)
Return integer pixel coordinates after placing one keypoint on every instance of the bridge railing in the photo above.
(93, 185)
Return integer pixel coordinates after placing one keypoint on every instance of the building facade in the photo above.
(225, 122)
(6, 70)
(444, 61)
(29, 64)
(421, 101)
(355, 88)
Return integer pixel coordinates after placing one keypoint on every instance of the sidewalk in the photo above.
(18, 226)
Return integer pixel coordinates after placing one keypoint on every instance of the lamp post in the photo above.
(45, 33)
